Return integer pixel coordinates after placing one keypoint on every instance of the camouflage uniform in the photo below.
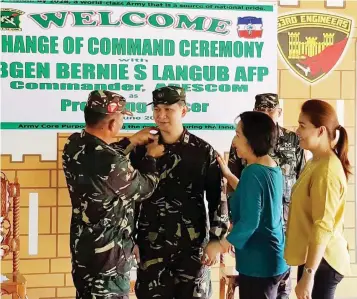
(291, 159)
(103, 188)
(174, 225)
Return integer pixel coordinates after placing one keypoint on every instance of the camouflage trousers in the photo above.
(101, 287)
(182, 276)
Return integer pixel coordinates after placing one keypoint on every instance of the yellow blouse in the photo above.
(316, 214)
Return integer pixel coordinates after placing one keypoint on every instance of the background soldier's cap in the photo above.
(266, 101)
(168, 95)
(107, 102)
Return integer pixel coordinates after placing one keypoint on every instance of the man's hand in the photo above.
(225, 246)
(210, 253)
(224, 166)
(136, 254)
(144, 136)
(154, 149)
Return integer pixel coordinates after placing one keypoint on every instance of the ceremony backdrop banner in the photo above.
(54, 55)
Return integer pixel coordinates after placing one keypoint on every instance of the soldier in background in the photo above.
(174, 225)
(103, 187)
(287, 154)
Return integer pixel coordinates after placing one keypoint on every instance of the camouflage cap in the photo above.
(107, 102)
(168, 95)
(266, 101)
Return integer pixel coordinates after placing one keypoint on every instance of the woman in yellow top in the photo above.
(314, 240)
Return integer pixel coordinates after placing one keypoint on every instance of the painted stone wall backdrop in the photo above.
(339, 89)
(48, 272)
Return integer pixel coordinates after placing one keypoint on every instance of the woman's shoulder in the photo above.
(329, 168)
(256, 167)
(259, 170)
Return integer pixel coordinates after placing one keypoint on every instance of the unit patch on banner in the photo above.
(312, 43)
(10, 19)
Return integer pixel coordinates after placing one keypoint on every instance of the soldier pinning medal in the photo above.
(103, 188)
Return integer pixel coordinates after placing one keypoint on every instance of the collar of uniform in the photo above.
(184, 138)
(280, 130)
(86, 135)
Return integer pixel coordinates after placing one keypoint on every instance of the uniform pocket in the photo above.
(98, 252)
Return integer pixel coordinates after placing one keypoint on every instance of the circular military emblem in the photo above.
(112, 107)
(160, 95)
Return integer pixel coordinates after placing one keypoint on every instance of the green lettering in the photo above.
(62, 71)
(207, 88)
(225, 49)
(211, 50)
(259, 48)
(249, 49)
(4, 72)
(105, 19)
(240, 74)
(29, 44)
(194, 73)
(44, 20)
(166, 20)
(134, 46)
(205, 107)
(140, 73)
(30, 70)
(127, 19)
(262, 72)
(65, 104)
(239, 88)
(136, 107)
(251, 73)
(182, 48)
(219, 26)
(238, 49)
(83, 18)
(93, 42)
(92, 71)
(184, 22)
(196, 107)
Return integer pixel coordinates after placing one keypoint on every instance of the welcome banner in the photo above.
(53, 55)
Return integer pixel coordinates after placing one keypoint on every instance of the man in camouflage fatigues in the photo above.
(103, 187)
(174, 225)
(287, 154)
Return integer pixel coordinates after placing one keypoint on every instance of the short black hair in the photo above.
(93, 118)
(260, 131)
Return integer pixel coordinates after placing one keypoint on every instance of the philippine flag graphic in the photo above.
(250, 27)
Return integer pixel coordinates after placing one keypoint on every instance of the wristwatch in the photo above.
(309, 271)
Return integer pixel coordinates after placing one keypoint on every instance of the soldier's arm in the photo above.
(124, 146)
(216, 198)
(136, 157)
(128, 182)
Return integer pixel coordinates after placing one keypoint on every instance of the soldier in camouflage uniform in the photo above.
(174, 225)
(103, 187)
(287, 154)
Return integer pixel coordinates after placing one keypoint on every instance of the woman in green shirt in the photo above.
(256, 207)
